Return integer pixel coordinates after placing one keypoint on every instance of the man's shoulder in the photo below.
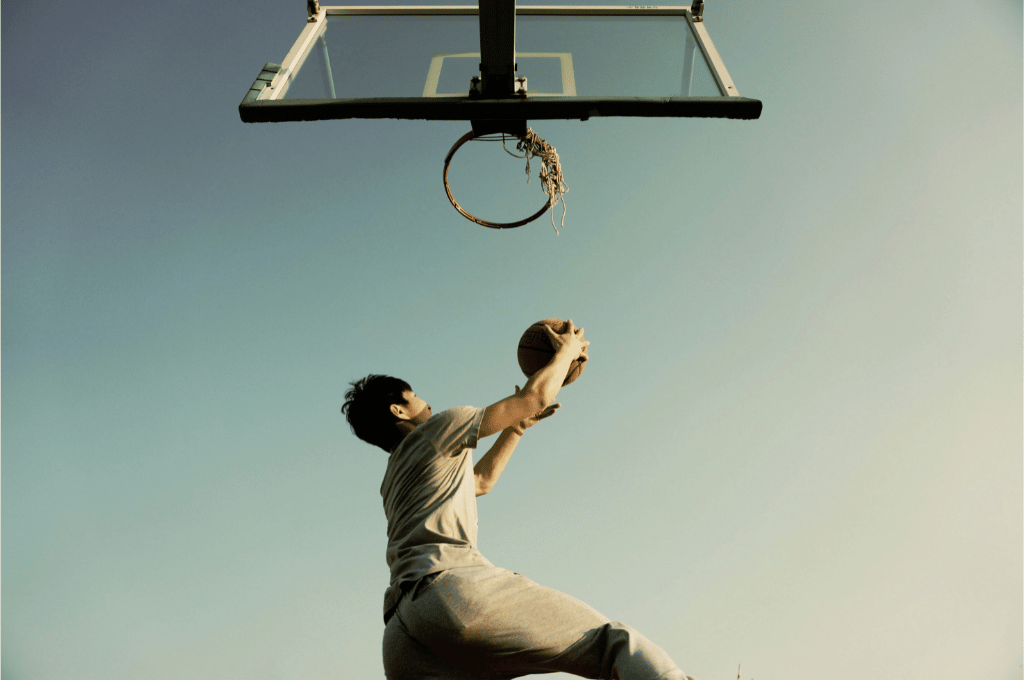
(451, 430)
(445, 435)
(453, 415)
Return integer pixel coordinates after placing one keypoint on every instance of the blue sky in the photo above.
(797, 445)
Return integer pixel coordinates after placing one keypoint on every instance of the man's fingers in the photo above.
(549, 411)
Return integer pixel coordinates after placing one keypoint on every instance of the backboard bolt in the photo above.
(521, 86)
(697, 10)
(312, 9)
(476, 87)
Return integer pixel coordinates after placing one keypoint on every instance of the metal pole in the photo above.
(498, 47)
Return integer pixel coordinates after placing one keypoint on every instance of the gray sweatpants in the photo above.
(482, 623)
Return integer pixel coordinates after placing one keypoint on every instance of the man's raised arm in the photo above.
(542, 388)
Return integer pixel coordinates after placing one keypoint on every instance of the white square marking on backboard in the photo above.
(434, 73)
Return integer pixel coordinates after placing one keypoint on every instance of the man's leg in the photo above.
(486, 622)
(407, 659)
(617, 652)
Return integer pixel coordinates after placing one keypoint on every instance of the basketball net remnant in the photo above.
(531, 145)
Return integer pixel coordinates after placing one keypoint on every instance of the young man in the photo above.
(449, 613)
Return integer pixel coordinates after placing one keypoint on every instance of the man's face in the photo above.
(415, 410)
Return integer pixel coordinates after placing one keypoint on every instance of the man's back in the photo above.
(430, 500)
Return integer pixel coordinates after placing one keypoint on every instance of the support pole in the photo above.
(498, 48)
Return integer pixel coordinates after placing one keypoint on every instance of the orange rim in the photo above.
(492, 225)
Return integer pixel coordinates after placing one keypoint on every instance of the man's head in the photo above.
(382, 410)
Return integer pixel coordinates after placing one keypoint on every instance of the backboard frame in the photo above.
(266, 102)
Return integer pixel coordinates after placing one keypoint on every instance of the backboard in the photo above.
(511, 63)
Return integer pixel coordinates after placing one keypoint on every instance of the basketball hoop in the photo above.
(550, 175)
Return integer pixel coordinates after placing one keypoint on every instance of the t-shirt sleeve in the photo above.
(456, 429)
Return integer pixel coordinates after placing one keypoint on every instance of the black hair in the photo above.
(368, 409)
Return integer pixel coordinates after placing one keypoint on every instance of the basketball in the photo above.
(535, 350)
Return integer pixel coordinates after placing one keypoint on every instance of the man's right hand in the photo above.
(542, 388)
(571, 341)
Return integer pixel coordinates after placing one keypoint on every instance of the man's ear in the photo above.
(398, 411)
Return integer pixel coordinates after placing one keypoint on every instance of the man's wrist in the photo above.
(565, 349)
(519, 431)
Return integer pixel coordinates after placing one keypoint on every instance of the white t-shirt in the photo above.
(430, 500)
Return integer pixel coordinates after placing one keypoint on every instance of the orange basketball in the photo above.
(535, 349)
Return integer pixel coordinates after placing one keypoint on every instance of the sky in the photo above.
(797, 445)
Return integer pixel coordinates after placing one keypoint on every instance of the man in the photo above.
(449, 613)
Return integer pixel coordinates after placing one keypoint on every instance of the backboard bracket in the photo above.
(262, 82)
(516, 128)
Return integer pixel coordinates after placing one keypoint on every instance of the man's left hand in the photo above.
(522, 425)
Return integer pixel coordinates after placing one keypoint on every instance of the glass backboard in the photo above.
(419, 62)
